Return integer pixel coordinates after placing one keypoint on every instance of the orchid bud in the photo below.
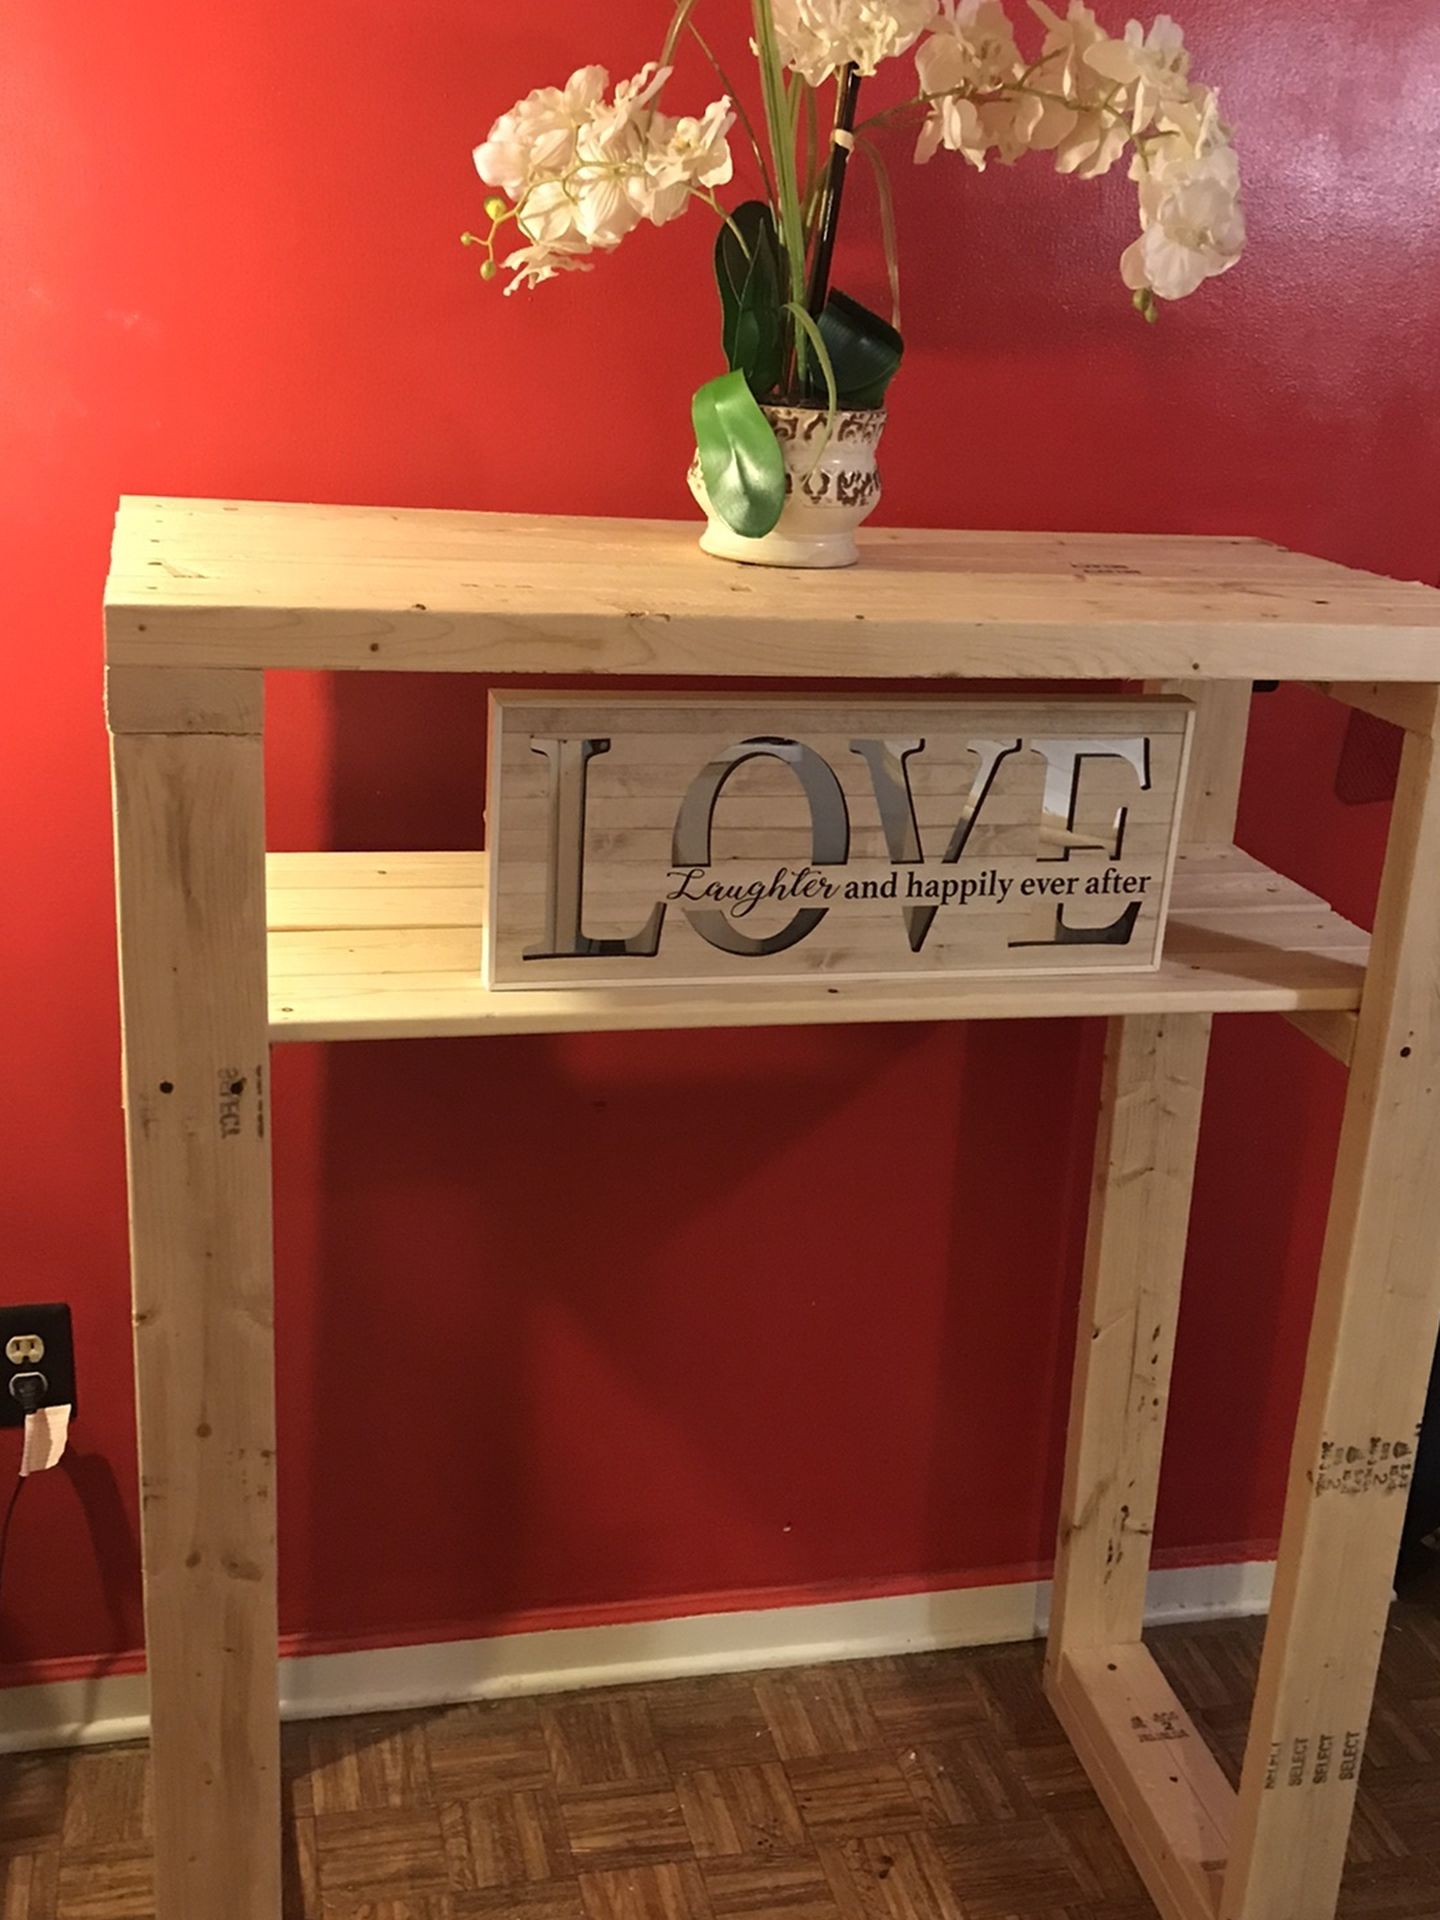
(488, 269)
(495, 208)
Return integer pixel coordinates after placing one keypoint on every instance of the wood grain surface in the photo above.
(227, 583)
(749, 839)
(374, 946)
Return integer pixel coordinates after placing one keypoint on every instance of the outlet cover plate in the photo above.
(52, 1324)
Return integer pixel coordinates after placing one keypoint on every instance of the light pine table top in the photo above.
(208, 583)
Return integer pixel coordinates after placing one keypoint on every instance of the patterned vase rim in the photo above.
(841, 413)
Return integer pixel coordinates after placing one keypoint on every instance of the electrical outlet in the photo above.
(36, 1341)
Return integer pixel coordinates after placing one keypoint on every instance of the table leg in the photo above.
(191, 902)
(1158, 1781)
(1376, 1317)
(1135, 1256)
(1160, 1785)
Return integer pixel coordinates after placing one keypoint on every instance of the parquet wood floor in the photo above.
(930, 1787)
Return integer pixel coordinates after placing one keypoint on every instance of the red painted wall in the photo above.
(706, 1314)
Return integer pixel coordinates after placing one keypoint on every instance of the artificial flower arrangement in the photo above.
(785, 438)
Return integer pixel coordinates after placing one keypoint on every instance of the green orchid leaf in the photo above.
(749, 228)
(747, 272)
(739, 455)
(865, 350)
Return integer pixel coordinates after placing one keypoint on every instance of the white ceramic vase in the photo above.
(826, 498)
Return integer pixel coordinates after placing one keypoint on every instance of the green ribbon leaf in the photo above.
(747, 272)
(865, 351)
(822, 353)
(739, 455)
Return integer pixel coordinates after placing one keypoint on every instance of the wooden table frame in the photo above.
(205, 596)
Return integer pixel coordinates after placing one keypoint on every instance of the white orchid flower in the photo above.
(818, 37)
(582, 166)
(1087, 98)
(1193, 226)
(1152, 67)
(582, 169)
(682, 155)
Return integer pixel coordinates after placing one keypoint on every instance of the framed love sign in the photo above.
(660, 840)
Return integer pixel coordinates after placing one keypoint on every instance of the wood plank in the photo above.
(247, 584)
(1377, 1314)
(1019, 867)
(1415, 708)
(400, 1007)
(1153, 1087)
(1208, 876)
(1205, 943)
(1158, 1781)
(338, 951)
(383, 870)
(355, 959)
(1151, 1097)
(294, 909)
(1334, 1032)
(190, 839)
(1208, 931)
(1152, 1094)
(184, 700)
(1219, 881)
(1217, 758)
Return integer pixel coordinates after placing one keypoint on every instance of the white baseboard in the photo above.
(116, 1707)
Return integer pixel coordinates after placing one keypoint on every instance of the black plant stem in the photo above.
(847, 97)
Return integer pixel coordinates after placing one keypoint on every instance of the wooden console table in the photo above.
(204, 596)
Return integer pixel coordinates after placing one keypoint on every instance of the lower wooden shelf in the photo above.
(1157, 1779)
(367, 946)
